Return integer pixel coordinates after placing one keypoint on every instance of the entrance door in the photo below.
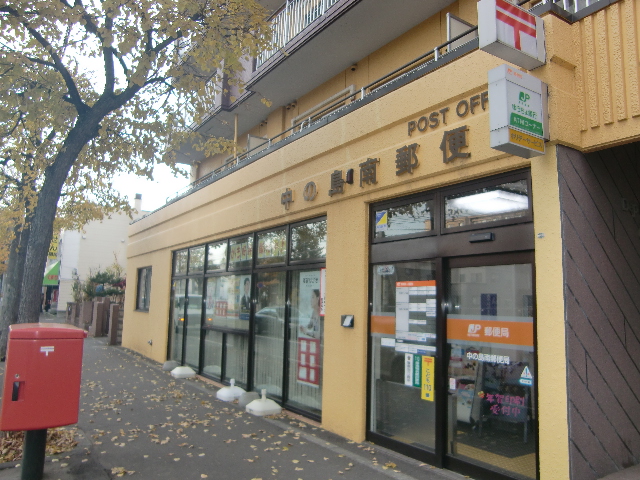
(491, 367)
(403, 357)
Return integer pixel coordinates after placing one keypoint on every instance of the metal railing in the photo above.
(571, 6)
(292, 19)
(431, 57)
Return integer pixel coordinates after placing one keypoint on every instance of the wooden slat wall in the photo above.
(607, 74)
(601, 239)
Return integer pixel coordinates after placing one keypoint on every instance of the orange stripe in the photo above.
(383, 324)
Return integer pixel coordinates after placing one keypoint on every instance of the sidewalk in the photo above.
(138, 418)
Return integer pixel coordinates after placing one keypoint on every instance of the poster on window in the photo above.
(309, 329)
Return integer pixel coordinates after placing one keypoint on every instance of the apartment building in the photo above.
(427, 239)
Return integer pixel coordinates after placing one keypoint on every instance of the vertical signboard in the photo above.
(511, 33)
(518, 112)
(428, 372)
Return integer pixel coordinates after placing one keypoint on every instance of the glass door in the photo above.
(403, 355)
(491, 365)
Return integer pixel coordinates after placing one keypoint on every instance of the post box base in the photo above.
(33, 453)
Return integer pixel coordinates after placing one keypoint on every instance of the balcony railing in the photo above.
(292, 19)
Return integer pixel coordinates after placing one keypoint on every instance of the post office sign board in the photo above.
(511, 33)
(518, 112)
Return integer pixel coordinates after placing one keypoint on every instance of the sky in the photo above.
(154, 193)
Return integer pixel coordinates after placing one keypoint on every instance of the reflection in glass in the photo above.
(403, 333)
(240, 252)
(180, 265)
(236, 359)
(196, 259)
(306, 342)
(177, 318)
(491, 368)
(413, 218)
(269, 332)
(217, 256)
(489, 204)
(309, 241)
(212, 361)
(272, 247)
(194, 315)
(228, 302)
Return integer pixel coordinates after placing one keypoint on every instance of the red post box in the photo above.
(42, 376)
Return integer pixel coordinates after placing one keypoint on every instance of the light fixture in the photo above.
(495, 201)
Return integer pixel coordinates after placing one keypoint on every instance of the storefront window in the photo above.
(240, 253)
(269, 332)
(491, 368)
(272, 247)
(196, 260)
(408, 219)
(488, 204)
(309, 241)
(228, 302)
(177, 318)
(237, 308)
(403, 336)
(306, 340)
(180, 265)
(212, 365)
(192, 321)
(217, 256)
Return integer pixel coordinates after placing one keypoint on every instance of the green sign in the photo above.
(417, 370)
(526, 124)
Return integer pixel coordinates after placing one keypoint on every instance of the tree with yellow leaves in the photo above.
(116, 90)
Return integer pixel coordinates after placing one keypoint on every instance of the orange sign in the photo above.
(491, 331)
(425, 283)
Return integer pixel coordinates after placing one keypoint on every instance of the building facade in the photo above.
(100, 244)
(373, 263)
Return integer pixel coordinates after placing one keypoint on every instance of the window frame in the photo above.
(146, 290)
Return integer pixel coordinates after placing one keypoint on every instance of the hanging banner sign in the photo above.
(511, 33)
(53, 247)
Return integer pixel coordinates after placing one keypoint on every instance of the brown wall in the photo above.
(601, 243)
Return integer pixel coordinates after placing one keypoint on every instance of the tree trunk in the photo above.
(12, 285)
(44, 213)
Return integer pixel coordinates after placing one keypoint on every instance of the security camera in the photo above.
(354, 67)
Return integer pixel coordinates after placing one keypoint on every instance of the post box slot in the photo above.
(15, 394)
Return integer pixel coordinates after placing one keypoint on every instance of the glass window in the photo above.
(269, 332)
(144, 288)
(272, 247)
(180, 262)
(240, 252)
(488, 204)
(491, 367)
(237, 351)
(410, 219)
(177, 318)
(306, 340)
(212, 361)
(228, 302)
(196, 259)
(309, 241)
(193, 320)
(217, 256)
(403, 338)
